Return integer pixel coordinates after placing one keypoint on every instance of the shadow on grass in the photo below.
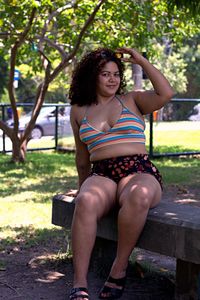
(37, 163)
(53, 184)
(43, 173)
(178, 170)
(24, 237)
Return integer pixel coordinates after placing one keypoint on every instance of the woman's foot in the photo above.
(113, 288)
(79, 293)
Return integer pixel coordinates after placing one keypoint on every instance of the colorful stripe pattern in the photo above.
(129, 128)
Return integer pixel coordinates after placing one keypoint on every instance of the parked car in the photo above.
(45, 123)
(195, 114)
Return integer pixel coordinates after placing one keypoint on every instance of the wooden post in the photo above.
(187, 280)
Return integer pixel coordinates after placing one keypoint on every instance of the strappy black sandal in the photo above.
(74, 294)
(110, 292)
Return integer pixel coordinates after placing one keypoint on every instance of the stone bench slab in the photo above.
(171, 229)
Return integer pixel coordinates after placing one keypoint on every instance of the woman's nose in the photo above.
(112, 77)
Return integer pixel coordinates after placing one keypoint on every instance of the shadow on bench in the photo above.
(171, 229)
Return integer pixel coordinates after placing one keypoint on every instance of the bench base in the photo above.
(187, 274)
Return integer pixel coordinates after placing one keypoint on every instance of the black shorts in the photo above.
(118, 167)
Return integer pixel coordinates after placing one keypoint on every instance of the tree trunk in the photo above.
(19, 150)
(137, 76)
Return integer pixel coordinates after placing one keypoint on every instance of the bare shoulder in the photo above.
(133, 95)
(78, 113)
(130, 99)
(146, 101)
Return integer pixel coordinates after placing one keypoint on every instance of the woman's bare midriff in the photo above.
(118, 150)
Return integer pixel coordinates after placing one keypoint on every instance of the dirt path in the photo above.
(33, 273)
(27, 277)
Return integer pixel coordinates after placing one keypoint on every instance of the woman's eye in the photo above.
(104, 74)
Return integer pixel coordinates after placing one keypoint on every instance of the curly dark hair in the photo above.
(83, 86)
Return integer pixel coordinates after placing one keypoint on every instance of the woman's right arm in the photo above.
(82, 158)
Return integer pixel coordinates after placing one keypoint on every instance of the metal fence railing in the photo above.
(52, 120)
(177, 111)
(174, 112)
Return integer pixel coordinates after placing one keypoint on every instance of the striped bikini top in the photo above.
(129, 128)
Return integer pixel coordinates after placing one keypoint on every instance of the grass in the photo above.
(26, 191)
(25, 194)
(172, 137)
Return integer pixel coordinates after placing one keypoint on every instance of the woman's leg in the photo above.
(96, 197)
(136, 195)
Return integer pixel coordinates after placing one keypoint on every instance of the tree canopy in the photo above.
(56, 25)
(50, 35)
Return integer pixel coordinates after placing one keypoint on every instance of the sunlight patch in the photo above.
(50, 277)
(24, 196)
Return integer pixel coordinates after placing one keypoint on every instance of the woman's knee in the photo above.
(90, 205)
(139, 199)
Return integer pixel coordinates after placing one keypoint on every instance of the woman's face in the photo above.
(108, 80)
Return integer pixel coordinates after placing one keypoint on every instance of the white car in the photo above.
(195, 115)
(46, 122)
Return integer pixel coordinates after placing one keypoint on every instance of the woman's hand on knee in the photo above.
(72, 193)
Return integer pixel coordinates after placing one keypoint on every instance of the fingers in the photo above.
(72, 193)
(134, 56)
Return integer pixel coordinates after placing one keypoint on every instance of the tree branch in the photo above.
(54, 45)
(13, 56)
(42, 37)
(8, 131)
(55, 13)
(65, 62)
(41, 92)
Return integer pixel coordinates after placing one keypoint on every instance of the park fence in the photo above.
(171, 131)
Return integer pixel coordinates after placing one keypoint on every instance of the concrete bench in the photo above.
(171, 229)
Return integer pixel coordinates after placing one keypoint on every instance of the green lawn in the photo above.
(172, 137)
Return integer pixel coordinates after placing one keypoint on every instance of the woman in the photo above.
(111, 158)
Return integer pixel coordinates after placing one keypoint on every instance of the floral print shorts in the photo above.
(118, 167)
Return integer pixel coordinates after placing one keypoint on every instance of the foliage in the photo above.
(172, 65)
(117, 23)
(191, 54)
(191, 7)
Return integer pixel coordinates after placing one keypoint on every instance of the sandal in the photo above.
(113, 293)
(75, 293)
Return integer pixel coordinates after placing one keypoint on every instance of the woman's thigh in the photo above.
(98, 193)
(139, 186)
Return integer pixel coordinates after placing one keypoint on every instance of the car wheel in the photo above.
(36, 133)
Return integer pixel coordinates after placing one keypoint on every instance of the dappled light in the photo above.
(50, 276)
(45, 174)
(188, 201)
(16, 239)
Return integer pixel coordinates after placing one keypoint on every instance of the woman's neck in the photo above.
(104, 100)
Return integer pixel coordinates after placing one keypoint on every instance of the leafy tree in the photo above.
(38, 23)
(47, 36)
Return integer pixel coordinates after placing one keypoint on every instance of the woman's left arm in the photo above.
(149, 101)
